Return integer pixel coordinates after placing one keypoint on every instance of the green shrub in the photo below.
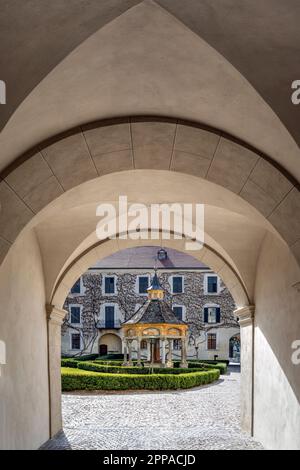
(78, 379)
(221, 366)
(87, 357)
(96, 367)
(108, 363)
(69, 363)
(112, 357)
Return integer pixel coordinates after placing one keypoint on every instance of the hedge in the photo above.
(116, 366)
(221, 366)
(95, 367)
(87, 357)
(69, 363)
(78, 379)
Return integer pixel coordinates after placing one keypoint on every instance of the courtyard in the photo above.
(205, 418)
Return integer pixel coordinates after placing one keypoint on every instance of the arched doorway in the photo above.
(110, 344)
(235, 348)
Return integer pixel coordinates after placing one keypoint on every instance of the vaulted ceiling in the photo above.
(259, 39)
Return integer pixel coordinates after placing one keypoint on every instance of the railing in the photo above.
(108, 324)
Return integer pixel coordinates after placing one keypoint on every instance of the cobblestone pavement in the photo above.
(202, 418)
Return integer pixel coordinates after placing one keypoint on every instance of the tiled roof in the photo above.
(146, 257)
(154, 311)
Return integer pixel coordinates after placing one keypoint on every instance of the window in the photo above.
(212, 285)
(109, 316)
(212, 314)
(211, 341)
(109, 285)
(177, 344)
(143, 344)
(177, 284)
(143, 284)
(75, 315)
(178, 311)
(75, 339)
(76, 289)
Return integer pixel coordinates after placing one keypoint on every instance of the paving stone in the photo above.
(202, 418)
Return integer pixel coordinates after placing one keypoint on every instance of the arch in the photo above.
(235, 347)
(125, 144)
(90, 256)
(112, 341)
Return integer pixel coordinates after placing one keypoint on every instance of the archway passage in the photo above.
(240, 245)
(91, 122)
(118, 281)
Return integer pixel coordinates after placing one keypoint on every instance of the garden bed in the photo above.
(79, 379)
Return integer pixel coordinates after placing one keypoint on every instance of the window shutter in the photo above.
(206, 315)
(218, 314)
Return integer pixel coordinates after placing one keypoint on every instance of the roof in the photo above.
(155, 284)
(154, 311)
(145, 257)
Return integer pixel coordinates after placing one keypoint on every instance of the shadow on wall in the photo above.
(277, 327)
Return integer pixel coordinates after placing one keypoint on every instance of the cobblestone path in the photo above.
(202, 418)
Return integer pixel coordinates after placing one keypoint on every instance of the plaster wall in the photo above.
(113, 342)
(24, 405)
(277, 325)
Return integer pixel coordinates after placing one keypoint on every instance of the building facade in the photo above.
(112, 291)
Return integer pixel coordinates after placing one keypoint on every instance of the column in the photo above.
(148, 350)
(163, 352)
(152, 345)
(139, 362)
(245, 316)
(125, 363)
(55, 318)
(129, 343)
(170, 353)
(183, 353)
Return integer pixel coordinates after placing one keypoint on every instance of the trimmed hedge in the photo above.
(221, 366)
(78, 379)
(69, 363)
(95, 367)
(109, 363)
(116, 366)
(87, 357)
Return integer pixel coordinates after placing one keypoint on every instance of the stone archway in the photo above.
(101, 148)
(242, 245)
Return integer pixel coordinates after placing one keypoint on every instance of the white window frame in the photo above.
(217, 341)
(206, 284)
(214, 306)
(103, 284)
(70, 315)
(75, 333)
(171, 283)
(117, 314)
(82, 289)
(183, 310)
(137, 286)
